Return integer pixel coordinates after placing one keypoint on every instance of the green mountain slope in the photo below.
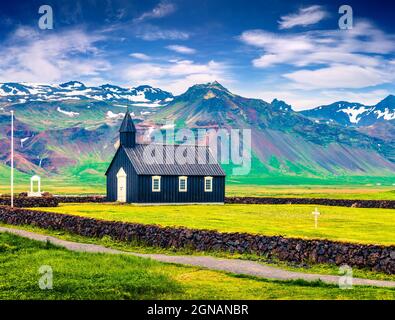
(74, 140)
(283, 141)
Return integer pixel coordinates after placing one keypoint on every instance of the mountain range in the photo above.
(75, 90)
(71, 130)
(355, 114)
(377, 120)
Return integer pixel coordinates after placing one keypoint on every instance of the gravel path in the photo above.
(229, 265)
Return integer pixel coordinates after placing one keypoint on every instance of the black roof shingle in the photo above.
(145, 160)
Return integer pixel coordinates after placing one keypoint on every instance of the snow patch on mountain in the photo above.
(72, 85)
(168, 126)
(144, 96)
(139, 97)
(148, 105)
(11, 90)
(354, 112)
(68, 113)
(112, 115)
(386, 114)
(77, 92)
(23, 140)
(64, 98)
(209, 95)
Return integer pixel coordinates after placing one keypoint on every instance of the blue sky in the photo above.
(291, 50)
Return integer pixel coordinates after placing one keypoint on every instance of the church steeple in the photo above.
(127, 132)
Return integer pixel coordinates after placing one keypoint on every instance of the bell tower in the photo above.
(127, 132)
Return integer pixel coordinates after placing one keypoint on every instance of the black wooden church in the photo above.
(132, 179)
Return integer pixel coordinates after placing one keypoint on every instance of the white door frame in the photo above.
(121, 185)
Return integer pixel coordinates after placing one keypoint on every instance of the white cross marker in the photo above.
(316, 214)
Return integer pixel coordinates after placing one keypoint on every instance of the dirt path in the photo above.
(229, 265)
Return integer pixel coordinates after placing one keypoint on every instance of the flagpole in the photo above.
(12, 158)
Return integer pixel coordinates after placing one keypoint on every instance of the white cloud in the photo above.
(163, 9)
(143, 28)
(150, 33)
(317, 47)
(339, 76)
(304, 17)
(335, 54)
(176, 76)
(278, 44)
(31, 56)
(325, 57)
(140, 56)
(368, 98)
(303, 100)
(181, 49)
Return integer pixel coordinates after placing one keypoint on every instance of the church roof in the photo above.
(200, 163)
(127, 124)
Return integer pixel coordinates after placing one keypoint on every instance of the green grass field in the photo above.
(81, 179)
(135, 246)
(74, 186)
(103, 276)
(359, 225)
(332, 192)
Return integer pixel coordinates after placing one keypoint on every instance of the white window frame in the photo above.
(154, 178)
(183, 178)
(205, 184)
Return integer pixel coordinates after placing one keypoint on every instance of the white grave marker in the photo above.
(33, 193)
(316, 214)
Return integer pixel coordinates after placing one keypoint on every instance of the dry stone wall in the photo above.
(373, 257)
(30, 202)
(49, 201)
(385, 204)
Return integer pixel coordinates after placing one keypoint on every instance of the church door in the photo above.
(121, 185)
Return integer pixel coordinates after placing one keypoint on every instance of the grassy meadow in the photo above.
(368, 192)
(359, 225)
(139, 247)
(75, 187)
(103, 276)
(82, 179)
